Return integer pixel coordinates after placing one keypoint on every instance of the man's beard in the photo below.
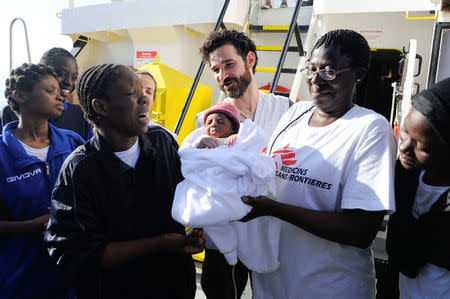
(240, 87)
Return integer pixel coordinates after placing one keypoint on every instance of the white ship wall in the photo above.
(388, 30)
(174, 29)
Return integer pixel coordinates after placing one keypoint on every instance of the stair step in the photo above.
(282, 93)
(288, 71)
(274, 69)
(276, 28)
(79, 44)
(276, 48)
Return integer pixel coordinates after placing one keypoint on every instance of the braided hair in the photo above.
(239, 40)
(51, 56)
(350, 43)
(23, 78)
(94, 83)
(354, 46)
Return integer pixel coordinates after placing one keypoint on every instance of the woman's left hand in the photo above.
(195, 242)
(260, 207)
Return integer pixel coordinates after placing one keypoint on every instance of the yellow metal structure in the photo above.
(190, 31)
(392, 49)
(173, 88)
(199, 256)
(112, 35)
(269, 48)
(276, 27)
(421, 18)
(266, 69)
(82, 39)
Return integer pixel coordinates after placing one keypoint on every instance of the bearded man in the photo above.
(232, 57)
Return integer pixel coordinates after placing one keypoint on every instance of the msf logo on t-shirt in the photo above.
(289, 171)
(23, 176)
(284, 156)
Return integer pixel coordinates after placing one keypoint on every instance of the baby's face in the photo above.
(218, 125)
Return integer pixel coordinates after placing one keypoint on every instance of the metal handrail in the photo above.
(219, 23)
(10, 41)
(292, 26)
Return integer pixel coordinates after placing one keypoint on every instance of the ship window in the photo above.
(440, 55)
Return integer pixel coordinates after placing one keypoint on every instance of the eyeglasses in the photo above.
(327, 73)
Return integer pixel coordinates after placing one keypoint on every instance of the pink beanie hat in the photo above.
(226, 108)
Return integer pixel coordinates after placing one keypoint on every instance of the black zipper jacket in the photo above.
(411, 243)
(99, 199)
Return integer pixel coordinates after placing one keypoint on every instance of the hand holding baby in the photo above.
(208, 142)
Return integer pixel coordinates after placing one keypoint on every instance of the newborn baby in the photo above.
(221, 125)
(221, 162)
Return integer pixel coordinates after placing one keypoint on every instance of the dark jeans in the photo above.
(217, 276)
(387, 280)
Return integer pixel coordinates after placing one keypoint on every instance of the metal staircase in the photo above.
(219, 24)
(79, 44)
(292, 29)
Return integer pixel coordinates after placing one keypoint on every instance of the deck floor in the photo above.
(200, 295)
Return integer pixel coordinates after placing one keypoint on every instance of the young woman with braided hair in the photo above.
(31, 154)
(334, 180)
(111, 227)
(66, 72)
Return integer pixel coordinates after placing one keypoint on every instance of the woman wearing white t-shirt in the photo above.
(419, 231)
(335, 164)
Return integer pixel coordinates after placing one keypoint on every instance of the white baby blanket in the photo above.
(210, 196)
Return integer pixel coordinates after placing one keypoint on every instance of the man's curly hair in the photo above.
(23, 78)
(239, 40)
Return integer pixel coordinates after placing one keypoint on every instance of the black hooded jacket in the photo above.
(98, 199)
(411, 243)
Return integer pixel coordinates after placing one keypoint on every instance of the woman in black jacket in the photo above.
(110, 224)
(419, 231)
